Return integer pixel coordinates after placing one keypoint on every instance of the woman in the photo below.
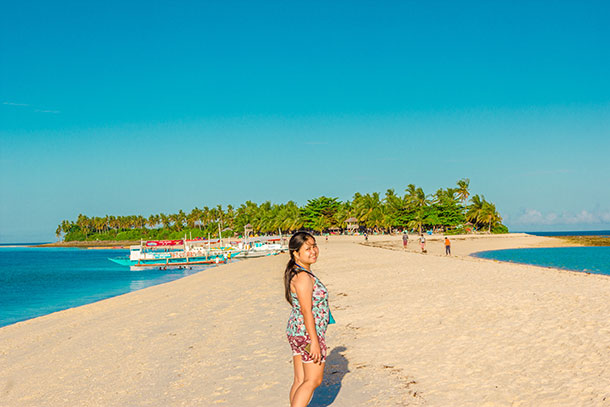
(308, 320)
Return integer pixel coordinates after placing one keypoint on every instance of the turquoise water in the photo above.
(585, 259)
(605, 233)
(39, 281)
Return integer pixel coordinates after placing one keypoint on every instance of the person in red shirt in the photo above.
(447, 247)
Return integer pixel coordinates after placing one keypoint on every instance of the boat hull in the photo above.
(171, 262)
(254, 254)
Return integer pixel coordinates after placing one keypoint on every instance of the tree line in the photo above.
(449, 210)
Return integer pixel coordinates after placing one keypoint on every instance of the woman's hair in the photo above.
(296, 241)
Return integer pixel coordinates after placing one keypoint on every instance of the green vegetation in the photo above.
(447, 210)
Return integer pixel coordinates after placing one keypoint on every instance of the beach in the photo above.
(412, 329)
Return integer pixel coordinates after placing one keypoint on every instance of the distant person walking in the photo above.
(447, 246)
(308, 320)
(405, 240)
(422, 243)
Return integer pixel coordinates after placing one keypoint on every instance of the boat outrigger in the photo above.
(261, 246)
(176, 254)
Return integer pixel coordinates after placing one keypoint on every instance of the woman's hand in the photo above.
(315, 352)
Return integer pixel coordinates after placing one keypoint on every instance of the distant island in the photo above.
(449, 210)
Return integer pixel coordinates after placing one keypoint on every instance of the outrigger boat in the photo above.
(260, 246)
(177, 254)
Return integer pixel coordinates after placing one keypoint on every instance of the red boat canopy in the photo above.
(163, 243)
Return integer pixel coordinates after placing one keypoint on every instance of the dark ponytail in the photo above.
(294, 245)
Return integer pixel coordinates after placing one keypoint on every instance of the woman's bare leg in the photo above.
(299, 375)
(313, 378)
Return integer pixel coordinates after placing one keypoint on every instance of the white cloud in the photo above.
(47, 111)
(531, 216)
(14, 104)
(37, 110)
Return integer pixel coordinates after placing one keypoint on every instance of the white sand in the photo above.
(412, 330)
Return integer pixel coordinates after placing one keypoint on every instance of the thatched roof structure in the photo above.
(352, 223)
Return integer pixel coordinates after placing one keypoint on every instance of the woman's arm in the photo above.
(303, 285)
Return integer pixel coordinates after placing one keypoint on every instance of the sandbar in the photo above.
(412, 329)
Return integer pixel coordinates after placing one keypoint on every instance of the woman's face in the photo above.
(308, 253)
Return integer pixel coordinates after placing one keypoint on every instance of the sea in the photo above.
(39, 281)
(595, 260)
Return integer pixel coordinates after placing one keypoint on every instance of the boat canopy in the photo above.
(154, 243)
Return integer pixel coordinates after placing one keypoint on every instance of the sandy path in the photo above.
(412, 330)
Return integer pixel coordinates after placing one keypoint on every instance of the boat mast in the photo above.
(219, 235)
(186, 253)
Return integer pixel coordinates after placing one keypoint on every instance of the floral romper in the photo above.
(296, 332)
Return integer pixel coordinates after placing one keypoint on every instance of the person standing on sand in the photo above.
(405, 240)
(422, 243)
(308, 320)
(447, 247)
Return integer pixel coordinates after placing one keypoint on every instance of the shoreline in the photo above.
(527, 241)
(114, 244)
(575, 240)
(430, 329)
(468, 244)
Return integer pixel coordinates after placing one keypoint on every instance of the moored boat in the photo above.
(176, 254)
(260, 246)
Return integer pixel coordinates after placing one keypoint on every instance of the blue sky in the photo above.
(146, 107)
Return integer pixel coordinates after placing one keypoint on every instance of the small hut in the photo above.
(247, 230)
(352, 225)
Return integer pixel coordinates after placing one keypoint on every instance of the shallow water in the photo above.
(39, 281)
(585, 259)
(605, 233)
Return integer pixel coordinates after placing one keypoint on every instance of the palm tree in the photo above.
(415, 210)
(320, 224)
(153, 221)
(84, 223)
(230, 216)
(220, 214)
(112, 222)
(205, 216)
(462, 190)
(66, 226)
(100, 224)
(369, 209)
(418, 201)
(392, 209)
(446, 210)
(165, 220)
(489, 215)
(192, 218)
(140, 222)
(344, 212)
(291, 217)
(474, 210)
